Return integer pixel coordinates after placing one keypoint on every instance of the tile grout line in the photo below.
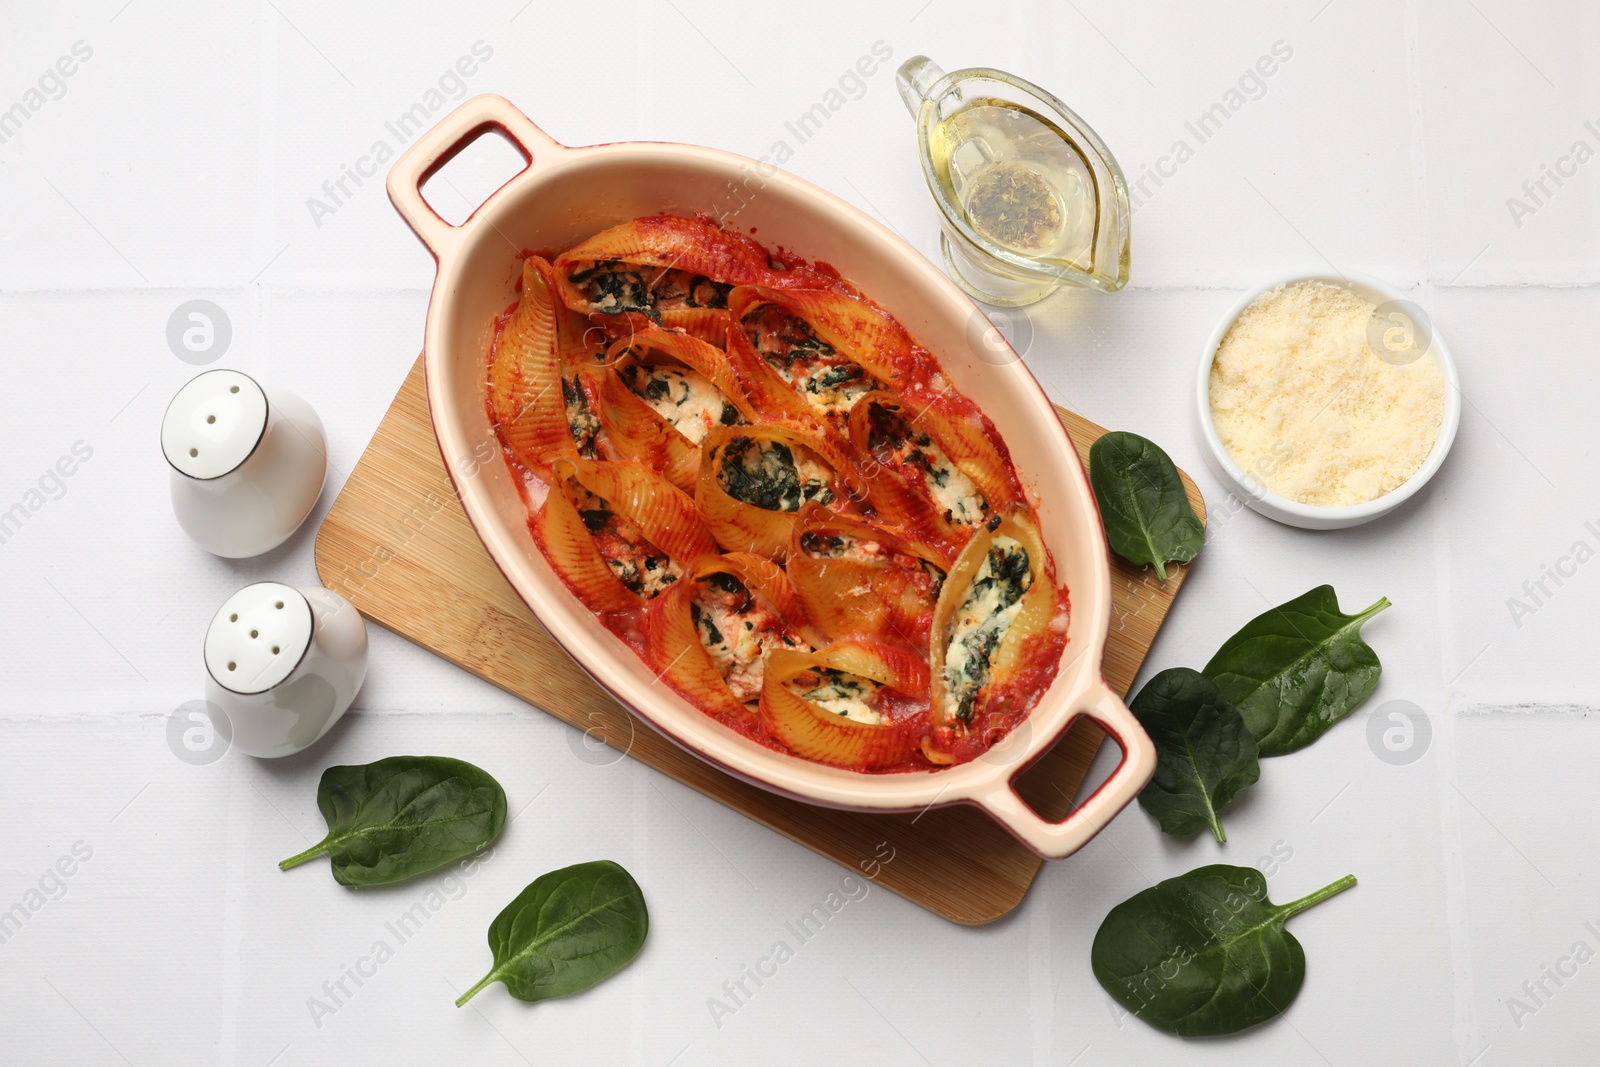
(1464, 1024)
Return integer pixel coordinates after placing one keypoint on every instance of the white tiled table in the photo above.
(177, 162)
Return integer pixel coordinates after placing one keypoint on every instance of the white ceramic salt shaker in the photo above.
(248, 462)
(284, 663)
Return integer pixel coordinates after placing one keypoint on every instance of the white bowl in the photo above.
(1307, 516)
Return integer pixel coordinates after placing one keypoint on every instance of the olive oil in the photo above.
(1021, 182)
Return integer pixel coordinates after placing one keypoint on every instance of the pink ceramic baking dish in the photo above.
(566, 194)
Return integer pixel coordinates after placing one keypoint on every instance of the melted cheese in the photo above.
(685, 398)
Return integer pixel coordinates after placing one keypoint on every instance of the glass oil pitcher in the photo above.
(1030, 197)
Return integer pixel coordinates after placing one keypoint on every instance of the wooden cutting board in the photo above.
(398, 545)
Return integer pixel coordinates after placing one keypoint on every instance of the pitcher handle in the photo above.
(915, 79)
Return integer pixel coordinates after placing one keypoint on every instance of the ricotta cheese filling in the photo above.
(843, 694)
(736, 632)
(844, 546)
(679, 289)
(991, 603)
(614, 287)
(685, 398)
(582, 422)
(839, 546)
(828, 381)
(769, 475)
(638, 564)
(894, 441)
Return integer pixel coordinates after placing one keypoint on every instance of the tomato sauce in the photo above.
(1002, 703)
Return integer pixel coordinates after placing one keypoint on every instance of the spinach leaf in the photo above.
(1204, 953)
(402, 816)
(1297, 669)
(1142, 503)
(567, 931)
(1204, 753)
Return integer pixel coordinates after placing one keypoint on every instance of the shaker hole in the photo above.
(279, 604)
(255, 633)
(194, 452)
(211, 418)
(233, 388)
(234, 617)
(232, 665)
(274, 650)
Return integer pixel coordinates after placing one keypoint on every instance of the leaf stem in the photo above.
(1383, 602)
(469, 994)
(311, 853)
(1216, 828)
(1295, 907)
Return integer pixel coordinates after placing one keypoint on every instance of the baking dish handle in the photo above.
(1055, 840)
(480, 115)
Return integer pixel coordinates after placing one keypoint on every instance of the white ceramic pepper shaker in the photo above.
(248, 462)
(284, 663)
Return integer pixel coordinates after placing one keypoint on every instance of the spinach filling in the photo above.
(684, 398)
(582, 423)
(830, 546)
(639, 565)
(803, 359)
(681, 289)
(839, 693)
(736, 632)
(991, 603)
(784, 339)
(613, 289)
(891, 439)
(764, 474)
(735, 600)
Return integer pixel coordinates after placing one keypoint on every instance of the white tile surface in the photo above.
(177, 163)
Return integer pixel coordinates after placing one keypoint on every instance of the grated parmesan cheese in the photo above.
(1306, 408)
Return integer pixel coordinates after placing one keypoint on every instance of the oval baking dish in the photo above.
(566, 194)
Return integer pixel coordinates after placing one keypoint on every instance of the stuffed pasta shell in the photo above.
(851, 704)
(755, 479)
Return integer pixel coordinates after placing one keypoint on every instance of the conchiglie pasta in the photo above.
(525, 381)
(997, 604)
(703, 324)
(754, 480)
(808, 354)
(617, 532)
(856, 579)
(710, 635)
(830, 706)
(637, 432)
(664, 263)
(924, 470)
(848, 327)
(663, 392)
(763, 486)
